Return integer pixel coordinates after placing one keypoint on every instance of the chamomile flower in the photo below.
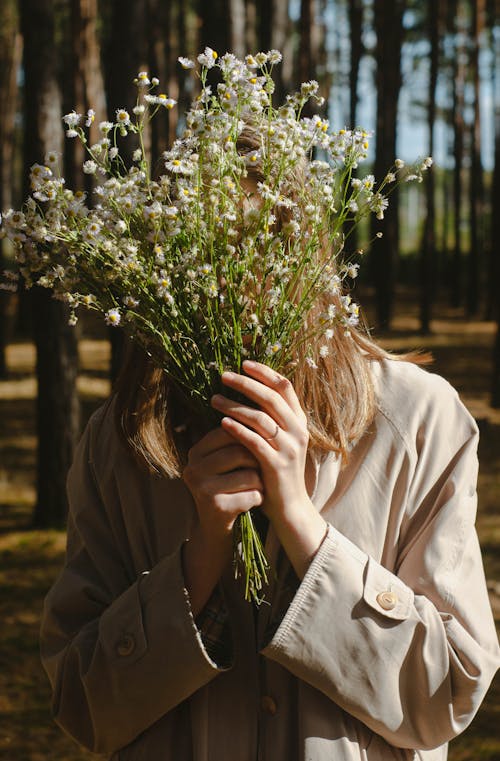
(186, 63)
(113, 317)
(122, 117)
(207, 58)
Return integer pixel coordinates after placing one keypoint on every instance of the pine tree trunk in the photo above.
(125, 55)
(10, 52)
(237, 27)
(428, 246)
(476, 185)
(495, 227)
(384, 252)
(458, 151)
(355, 28)
(57, 403)
(214, 28)
(307, 61)
(84, 88)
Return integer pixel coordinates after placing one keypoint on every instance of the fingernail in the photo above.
(217, 398)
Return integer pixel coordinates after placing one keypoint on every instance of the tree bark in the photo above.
(214, 28)
(126, 54)
(428, 246)
(84, 88)
(355, 29)
(57, 410)
(495, 221)
(389, 30)
(237, 27)
(455, 18)
(307, 57)
(476, 184)
(10, 53)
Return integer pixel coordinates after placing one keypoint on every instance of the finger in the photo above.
(241, 502)
(268, 399)
(237, 481)
(256, 444)
(213, 440)
(274, 380)
(260, 421)
(228, 458)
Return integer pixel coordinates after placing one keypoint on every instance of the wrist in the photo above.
(301, 531)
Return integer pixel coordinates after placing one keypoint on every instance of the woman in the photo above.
(376, 639)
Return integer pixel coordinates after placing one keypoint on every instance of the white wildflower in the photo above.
(207, 58)
(51, 158)
(142, 79)
(130, 302)
(274, 348)
(73, 119)
(122, 117)
(113, 317)
(186, 63)
(105, 127)
(89, 167)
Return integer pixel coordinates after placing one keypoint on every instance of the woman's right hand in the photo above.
(223, 478)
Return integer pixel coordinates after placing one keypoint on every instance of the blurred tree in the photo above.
(428, 246)
(456, 26)
(356, 39)
(57, 358)
(125, 53)
(388, 17)
(280, 38)
(10, 54)
(495, 217)
(476, 184)
(308, 53)
(84, 88)
(215, 25)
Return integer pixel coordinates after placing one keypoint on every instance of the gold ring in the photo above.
(270, 438)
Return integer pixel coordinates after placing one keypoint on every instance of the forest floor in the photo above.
(30, 560)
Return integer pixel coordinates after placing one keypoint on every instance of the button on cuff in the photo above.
(386, 593)
(387, 600)
(125, 645)
(268, 705)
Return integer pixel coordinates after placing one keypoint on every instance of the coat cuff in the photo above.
(341, 578)
(152, 622)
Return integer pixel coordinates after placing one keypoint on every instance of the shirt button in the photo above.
(268, 704)
(126, 645)
(387, 600)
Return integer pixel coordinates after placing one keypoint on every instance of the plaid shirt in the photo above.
(213, 625)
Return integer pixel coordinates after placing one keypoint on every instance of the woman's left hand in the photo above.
(275, 432)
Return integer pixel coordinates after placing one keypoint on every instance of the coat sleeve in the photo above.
(411, 653)
(119, 653)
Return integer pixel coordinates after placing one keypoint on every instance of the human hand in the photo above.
(276, 434)
(224, 481)
(223, 478)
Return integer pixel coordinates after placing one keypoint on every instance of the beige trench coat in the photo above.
(338, 671)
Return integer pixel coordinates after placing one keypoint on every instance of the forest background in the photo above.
(424, 75)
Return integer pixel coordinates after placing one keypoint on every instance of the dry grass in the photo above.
(29, 560)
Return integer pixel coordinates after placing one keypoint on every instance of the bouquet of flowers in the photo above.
(222, 256)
